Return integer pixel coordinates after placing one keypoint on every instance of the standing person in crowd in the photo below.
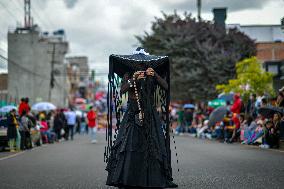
(180, 128)
(188, 118)
(280, 98)
(12, 131)
(22, 106)
(251, 108)
(64, 122)
(237, 105)
(91, 116)
(276, 123)
(237, 130)
(28, 108)
(58, 125)
(71, 122)
(24, 131)
(84, 126)
(78, 123)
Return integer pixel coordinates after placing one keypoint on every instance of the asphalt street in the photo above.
(202, 164)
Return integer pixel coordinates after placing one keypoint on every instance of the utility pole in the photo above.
(27, 11)
(52, 79)
(199, 10)
(282, 24)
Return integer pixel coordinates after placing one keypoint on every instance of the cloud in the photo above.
(98, 28)
(70, 3)
(208, 5)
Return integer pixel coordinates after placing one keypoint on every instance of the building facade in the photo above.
(36, 67)
(269, 41)
(79, 76)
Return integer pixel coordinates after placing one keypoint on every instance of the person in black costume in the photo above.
(139, 157)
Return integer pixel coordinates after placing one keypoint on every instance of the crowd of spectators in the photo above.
(242, 122)
(26, 128)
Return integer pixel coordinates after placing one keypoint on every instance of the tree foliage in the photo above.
(251, 79)
(202, 54)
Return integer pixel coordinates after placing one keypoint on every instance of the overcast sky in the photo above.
(97, 28)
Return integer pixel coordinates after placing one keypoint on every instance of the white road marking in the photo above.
(11, 156)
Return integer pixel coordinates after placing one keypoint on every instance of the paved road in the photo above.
(203, 164)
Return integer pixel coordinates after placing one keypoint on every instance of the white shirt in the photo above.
(71, 118)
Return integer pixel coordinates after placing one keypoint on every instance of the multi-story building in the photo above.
(36, 67)
(270, 48)
(79, 76)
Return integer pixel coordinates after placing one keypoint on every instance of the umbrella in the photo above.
(217, 103)
(8, 108)
(217, 115)
(80, 101)
(43, 106)
(226, 96)
(188, 106)
(99, 95)
(269, 111)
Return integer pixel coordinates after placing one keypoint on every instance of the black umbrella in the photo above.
(217, 115)
(269, 111)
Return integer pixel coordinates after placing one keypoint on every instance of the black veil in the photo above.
(122, 64)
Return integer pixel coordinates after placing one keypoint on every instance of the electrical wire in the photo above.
(8, 11)
(21, 67)
(36, 5)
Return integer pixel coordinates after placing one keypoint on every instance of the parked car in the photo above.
(3, 133)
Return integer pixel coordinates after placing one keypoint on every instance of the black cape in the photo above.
(130, 152)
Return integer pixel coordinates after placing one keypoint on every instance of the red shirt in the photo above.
(23, 106)
(237, 106)
(44, 126)
(91, 116)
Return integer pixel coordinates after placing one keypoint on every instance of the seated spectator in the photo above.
(270, 137)
(47, 135)
(201, 131)
(229, 126)
(192, 127)
(217, 131)
(257, 133)
(249, 128)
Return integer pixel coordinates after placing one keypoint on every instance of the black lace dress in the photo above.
(139, 157)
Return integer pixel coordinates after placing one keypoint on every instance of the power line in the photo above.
(36, 3)
(8, 11)
(21, 67)
(18, 7)
(39, 18)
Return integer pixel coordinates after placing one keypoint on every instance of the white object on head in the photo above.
(141, 51)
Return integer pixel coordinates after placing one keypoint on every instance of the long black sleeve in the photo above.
(162, 82)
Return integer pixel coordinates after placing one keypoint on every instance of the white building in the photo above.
(261, 33)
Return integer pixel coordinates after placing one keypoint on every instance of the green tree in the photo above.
(251, 78)
(202, 54)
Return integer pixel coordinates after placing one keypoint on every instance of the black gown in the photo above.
(139, 156)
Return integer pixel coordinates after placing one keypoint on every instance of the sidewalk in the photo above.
(281, 149)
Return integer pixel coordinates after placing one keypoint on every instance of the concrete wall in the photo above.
(29, 67)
